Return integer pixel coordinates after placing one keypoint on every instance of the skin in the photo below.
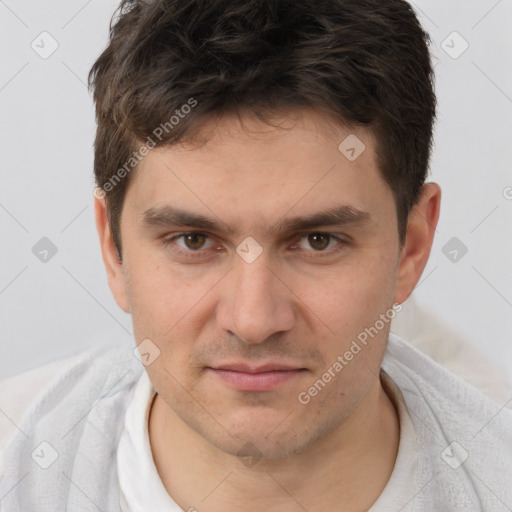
(302, 301)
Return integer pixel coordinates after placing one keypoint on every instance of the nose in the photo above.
(255, 302)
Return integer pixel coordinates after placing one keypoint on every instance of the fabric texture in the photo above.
(464, 439)
(141, 488)
(79, 418)
(424, 330)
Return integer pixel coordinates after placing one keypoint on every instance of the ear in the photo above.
(414, 254)
(113, 265)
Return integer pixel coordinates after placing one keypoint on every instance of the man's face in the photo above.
(213, 303)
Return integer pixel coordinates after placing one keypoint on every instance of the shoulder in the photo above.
(432, 383)
(45, 388)
(433, 337)
(19, 392)
(464, 437)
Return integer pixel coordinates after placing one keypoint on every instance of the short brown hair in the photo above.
(366, 62)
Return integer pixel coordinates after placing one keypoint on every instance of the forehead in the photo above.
(302, 161)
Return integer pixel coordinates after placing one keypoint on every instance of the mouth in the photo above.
(266, 377)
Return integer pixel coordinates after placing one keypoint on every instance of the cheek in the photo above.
(351, 309)
(168, 309)
(352, 296)
(161, 297)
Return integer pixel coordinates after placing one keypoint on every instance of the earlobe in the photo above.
(113, 265)
(421, 227)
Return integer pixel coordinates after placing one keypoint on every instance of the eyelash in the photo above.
(200, 253)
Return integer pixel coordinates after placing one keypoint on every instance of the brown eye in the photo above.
(194, 241)
(319, 241)
(317, 244)
(190, 245)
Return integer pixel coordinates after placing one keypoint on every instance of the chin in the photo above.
(258, 438)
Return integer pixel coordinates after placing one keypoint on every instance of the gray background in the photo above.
(58, 307)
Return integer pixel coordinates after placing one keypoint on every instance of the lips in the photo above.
(266, 377)
(245, 368)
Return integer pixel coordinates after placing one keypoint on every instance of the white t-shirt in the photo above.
(142, 489)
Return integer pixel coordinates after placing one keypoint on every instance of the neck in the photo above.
(349, 468)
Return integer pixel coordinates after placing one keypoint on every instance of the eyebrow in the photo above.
(338, 216)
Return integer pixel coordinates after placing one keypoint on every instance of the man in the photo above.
(263, 214)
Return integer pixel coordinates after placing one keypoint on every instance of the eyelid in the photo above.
(330, 235)
(167, 241)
